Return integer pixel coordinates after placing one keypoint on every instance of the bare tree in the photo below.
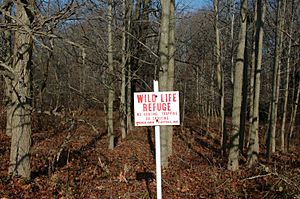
(22, 91)
(110, 98)
(271, 141)
(253, 150)
(171, 66)
(232, 18)
(220, 77)
(293, 114)
(252, 69)
(233, 159)
(286, 85)
(7, 41)
(163, 72)
(129, 68)
(123, 73)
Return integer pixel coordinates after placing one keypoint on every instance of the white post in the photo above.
(157, 152)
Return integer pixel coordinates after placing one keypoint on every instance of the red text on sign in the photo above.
(168, 97)
(146, 98)
(156, 107)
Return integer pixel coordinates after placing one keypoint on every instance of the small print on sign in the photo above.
(156, 108)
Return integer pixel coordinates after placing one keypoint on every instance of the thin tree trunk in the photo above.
(171, 68)
(207, 114)
(122, 111)
(224, 134)
(271, 140)
(183, 106)
(171, 54)
(22, 93)
(163, 72)
(212, 93)
(197, 93)
(232, 10)
(244, 100)
(252, 71)
(253, 150)
(293, 115)
(9, 108)
(210, 100)
(233, 159)
(286, 87)
(219, 75)
(128, 104)
(129, 74)
(7, 8)
(110, 100)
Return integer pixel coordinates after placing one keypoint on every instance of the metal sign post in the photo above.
(156, 109)
(157, 152)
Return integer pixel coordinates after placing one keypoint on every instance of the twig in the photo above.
(221, 185)
(258, 176)
(103, 166)
(289, 183)
(280, 177)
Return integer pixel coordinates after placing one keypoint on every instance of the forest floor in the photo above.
(87, 169)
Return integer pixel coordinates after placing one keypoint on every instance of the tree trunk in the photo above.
(122, 111)
(271, 141)
(129, 97)
(7, 8)
(253, 150)
(110, 99)
(252, 70)
(22, 93)
(208, 112)
(232, 12)
(293, 115)
(171, 68)
(286, 87)
(129, 76)
(198, 94)
(9, 108)
(183, 100)
(244, 100)
(163, 72)
(220, 77)
(233, 159)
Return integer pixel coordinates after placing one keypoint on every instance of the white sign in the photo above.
(156, 108)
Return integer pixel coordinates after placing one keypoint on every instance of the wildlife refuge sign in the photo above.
(156, 108)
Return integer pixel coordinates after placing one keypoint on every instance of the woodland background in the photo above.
(69, 69)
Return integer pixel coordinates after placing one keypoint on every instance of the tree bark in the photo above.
(244, 100)
(233, 159)
(293, 114)
(129, 74)
(122, 108)
(252, 70)
(22, 92)
(171, 68)
(163, 72)
(271, 141)
(286, 87)
(253, 150)
(110, 99)
(232, 13)
(220, 77)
